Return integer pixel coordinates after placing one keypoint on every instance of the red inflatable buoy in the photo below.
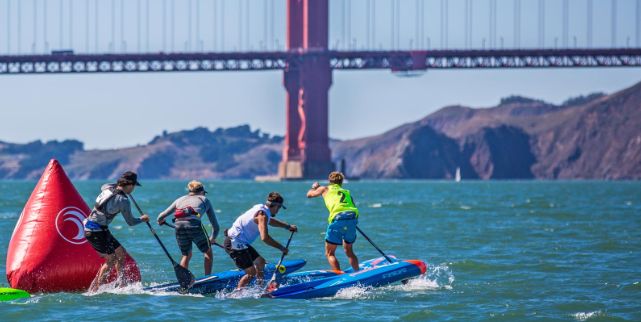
(48, 251)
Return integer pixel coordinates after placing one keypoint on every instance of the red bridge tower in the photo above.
(306, 153)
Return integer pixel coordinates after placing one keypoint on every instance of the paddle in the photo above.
(184, 276)
(371, 242)
(174, 227)
(277, 268)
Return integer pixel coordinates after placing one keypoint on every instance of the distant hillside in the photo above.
(593, 137)
(19, 161)
(235, 152)
(589, 137)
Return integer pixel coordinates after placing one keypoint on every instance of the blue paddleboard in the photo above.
(225, 280)
(376, 272)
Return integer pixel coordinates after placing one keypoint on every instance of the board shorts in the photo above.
(185, 236)
(243, 258)
(102, 241)
(341, 230)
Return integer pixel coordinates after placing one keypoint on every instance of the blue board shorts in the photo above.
(341, 230)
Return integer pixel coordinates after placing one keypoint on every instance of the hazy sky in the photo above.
(118, 110)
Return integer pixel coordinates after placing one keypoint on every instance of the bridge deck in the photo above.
(340, 60)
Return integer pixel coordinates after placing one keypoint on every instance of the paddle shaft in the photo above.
(174, 227)
(281, 258)
(371, 242)
(153, 232)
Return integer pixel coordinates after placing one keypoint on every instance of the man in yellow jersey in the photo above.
(343, 218)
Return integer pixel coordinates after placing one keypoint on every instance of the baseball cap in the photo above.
(129, 177)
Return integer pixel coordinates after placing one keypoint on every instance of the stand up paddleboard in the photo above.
(226, 280)
(376, 272)
(10, 294)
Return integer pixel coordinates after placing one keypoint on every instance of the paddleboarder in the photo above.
(246, 228)
(111, 201)
(342, 220)
(188, 211)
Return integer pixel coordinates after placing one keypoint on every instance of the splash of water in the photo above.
(354, 292)
(134, 288)
(436, 278)
(247, 292)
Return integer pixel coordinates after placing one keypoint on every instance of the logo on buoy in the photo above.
(69, 225)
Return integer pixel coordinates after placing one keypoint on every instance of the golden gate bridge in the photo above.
(318, 36)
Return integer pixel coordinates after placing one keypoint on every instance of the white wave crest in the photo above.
(441, 274)
(354, 292)
(421, 283)
(134, 288)
(584, 316)
(436, 278)
(247, 292)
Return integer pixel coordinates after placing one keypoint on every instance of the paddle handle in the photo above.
(286, 246)
(281, 259)
(371, 242)
(153, 231)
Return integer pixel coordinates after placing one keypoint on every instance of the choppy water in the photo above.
(512, 251)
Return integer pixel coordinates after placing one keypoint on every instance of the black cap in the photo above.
(275, 199)
(127, 178)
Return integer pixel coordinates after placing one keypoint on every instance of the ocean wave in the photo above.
(9, 215)
(245, 293)
(634, 286)
(474, 266)
(134, 288)
(584, 316)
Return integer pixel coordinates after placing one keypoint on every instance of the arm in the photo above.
(167, 212)
(316, 190)
(126, 213)
(212, 219)
(277, 223)
(261, 217)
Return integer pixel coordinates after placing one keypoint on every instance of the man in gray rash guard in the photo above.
(187, 212)
(111, 201)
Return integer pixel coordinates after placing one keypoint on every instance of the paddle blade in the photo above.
(271, 286)
(184, 276)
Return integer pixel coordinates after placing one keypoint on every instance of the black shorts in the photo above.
(243, 258)
(186, 235)
(102, 241)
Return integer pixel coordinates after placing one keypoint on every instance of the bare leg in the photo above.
(250, 272)
(330, 253)
(259, 263)
(103, 272)
(349, 251)
(120, 254)
(184, 261)
(209, 260)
